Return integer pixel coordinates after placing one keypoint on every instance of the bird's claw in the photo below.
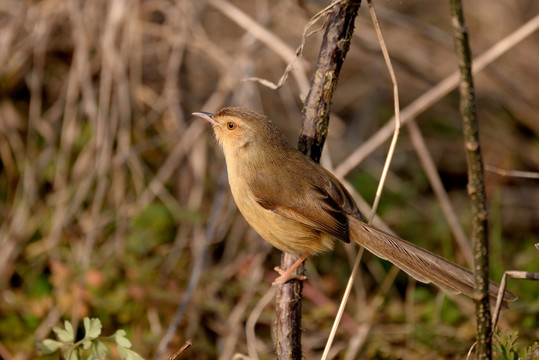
(285, 276)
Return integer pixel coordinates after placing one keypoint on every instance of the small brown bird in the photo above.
(301, 208)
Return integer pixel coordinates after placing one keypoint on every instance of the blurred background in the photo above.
(113, 198)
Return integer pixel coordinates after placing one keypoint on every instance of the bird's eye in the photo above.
(231, 125)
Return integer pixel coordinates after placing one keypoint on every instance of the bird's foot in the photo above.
(286, 275)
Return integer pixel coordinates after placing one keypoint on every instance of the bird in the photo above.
(300, 208)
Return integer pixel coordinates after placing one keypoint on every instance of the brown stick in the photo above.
(476, 182)
(316, 109)
(287, 330)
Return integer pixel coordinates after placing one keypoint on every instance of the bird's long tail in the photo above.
(419, 263)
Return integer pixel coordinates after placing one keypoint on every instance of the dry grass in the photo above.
(109, 191)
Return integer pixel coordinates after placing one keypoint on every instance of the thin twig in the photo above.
(343, 303)
(252, 320)
(434, 179)
(512, 173)
(515, 274)
(268, 38)
(476, 182)
(381, 182)
(185, 346)
(396, 108)
(299, 51)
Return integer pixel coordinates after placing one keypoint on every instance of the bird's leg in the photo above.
(287, 275)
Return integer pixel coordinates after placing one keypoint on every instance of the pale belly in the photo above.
(285, 234)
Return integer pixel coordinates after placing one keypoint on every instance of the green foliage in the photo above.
(91, 347)
(505, 347)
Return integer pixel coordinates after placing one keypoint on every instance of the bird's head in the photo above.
(236, 128)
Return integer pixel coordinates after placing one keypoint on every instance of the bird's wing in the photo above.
(314, 197)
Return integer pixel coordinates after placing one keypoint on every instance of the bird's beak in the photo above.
(206, 116)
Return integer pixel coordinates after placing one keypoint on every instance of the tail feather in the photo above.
(419, 263)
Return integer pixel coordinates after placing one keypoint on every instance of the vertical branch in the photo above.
(476, 184)
(335, 45)
(316, 109)
(287, 330)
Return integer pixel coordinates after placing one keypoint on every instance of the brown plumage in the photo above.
(301, 208)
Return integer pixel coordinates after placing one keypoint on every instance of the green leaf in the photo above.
(74, 354)
(99, 349)
(69, 329)
(92, 328)
(63, 334)
(49, 346)
(120, 339)
(120, 332)
(131, 355)
(86, 344)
